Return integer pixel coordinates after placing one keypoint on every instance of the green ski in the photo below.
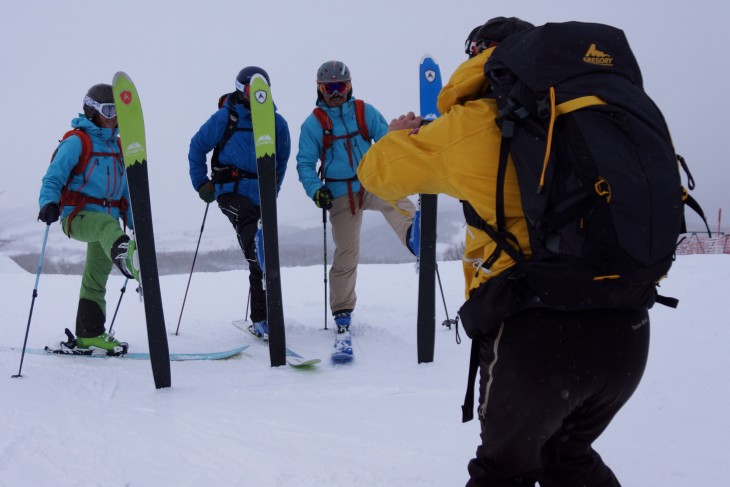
(264, 134)
(134, 147)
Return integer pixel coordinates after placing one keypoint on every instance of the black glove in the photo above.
(49, 213)
(206, 191)
(323, 198)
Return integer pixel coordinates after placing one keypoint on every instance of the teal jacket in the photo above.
(343, 158)
(105, 176)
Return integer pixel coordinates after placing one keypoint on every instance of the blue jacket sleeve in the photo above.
(204, 141)
(377, 125)
(58, 172)
(283, 150)
(130, 217)
(310, 150)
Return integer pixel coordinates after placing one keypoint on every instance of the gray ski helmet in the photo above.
(245, 75)
(333, 71)
(101, 93)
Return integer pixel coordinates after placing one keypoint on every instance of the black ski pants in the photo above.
(550, 383)
(244, 216)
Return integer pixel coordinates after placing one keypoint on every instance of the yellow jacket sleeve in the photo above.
(458, 155)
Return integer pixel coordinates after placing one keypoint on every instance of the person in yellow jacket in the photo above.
(550, 381)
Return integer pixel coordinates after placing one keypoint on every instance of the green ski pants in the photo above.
(99, 231)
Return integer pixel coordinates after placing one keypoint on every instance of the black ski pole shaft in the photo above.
(448, 321)
(121, 295)
(32, 302)
(205, 215)
(324, 232)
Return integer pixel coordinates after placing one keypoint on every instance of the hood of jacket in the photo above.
(94, 131)
(467, 83)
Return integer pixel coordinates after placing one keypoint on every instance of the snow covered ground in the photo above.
(382, 421)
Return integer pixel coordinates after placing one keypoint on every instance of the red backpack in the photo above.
(76, 198)
(328, 138)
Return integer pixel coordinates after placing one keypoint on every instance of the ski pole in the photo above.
(32, 302)
(121, 295)
(324, 232)
(205, 215)
(248, 302)
(448, 321)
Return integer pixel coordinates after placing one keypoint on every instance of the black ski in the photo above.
(430, 85)
(264, 134)
(131, 129)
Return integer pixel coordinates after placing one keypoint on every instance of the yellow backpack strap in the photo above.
(562, 109)
(577, 104)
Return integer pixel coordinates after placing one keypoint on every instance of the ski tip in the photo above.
(302, 363)
(427, 57)
(118, 75)
(258, 76)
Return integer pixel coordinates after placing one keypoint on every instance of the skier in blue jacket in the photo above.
(86, 186)
(234, 179)
(335, 186)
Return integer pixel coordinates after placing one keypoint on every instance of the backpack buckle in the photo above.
(543, 107)
(603, 189)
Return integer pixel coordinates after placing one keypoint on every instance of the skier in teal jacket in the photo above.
(335, 187)
(86, 187)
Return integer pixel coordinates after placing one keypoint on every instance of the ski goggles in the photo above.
(107, 110)
(245, 89)
(473, 47)
(335, 87)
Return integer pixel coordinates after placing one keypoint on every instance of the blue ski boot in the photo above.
(342, 352)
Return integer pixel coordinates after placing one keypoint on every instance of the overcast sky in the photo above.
(184, 54)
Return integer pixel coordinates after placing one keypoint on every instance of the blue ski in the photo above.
(141, 355)
(292, 358)
(430, 86)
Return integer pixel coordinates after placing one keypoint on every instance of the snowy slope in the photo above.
(384, 421)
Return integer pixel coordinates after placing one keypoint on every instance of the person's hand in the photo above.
(49, 213)
(323, 198)
(206, 191)
(408, 121)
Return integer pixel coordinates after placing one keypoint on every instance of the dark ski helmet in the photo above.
(245, 75)
(333, 71)
(493, 32)
(101, 93)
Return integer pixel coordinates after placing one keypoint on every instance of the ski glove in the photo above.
(206, 191)
(49, 213)
(323, 198)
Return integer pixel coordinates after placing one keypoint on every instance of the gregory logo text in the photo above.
(594, 56)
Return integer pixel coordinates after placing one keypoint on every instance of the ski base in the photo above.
(292, 358)
(177, 357)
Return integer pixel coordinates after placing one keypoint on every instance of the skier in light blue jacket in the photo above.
(338, 133)
(86, 186)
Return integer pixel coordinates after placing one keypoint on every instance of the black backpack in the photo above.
(598, 175)
(225, 173)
